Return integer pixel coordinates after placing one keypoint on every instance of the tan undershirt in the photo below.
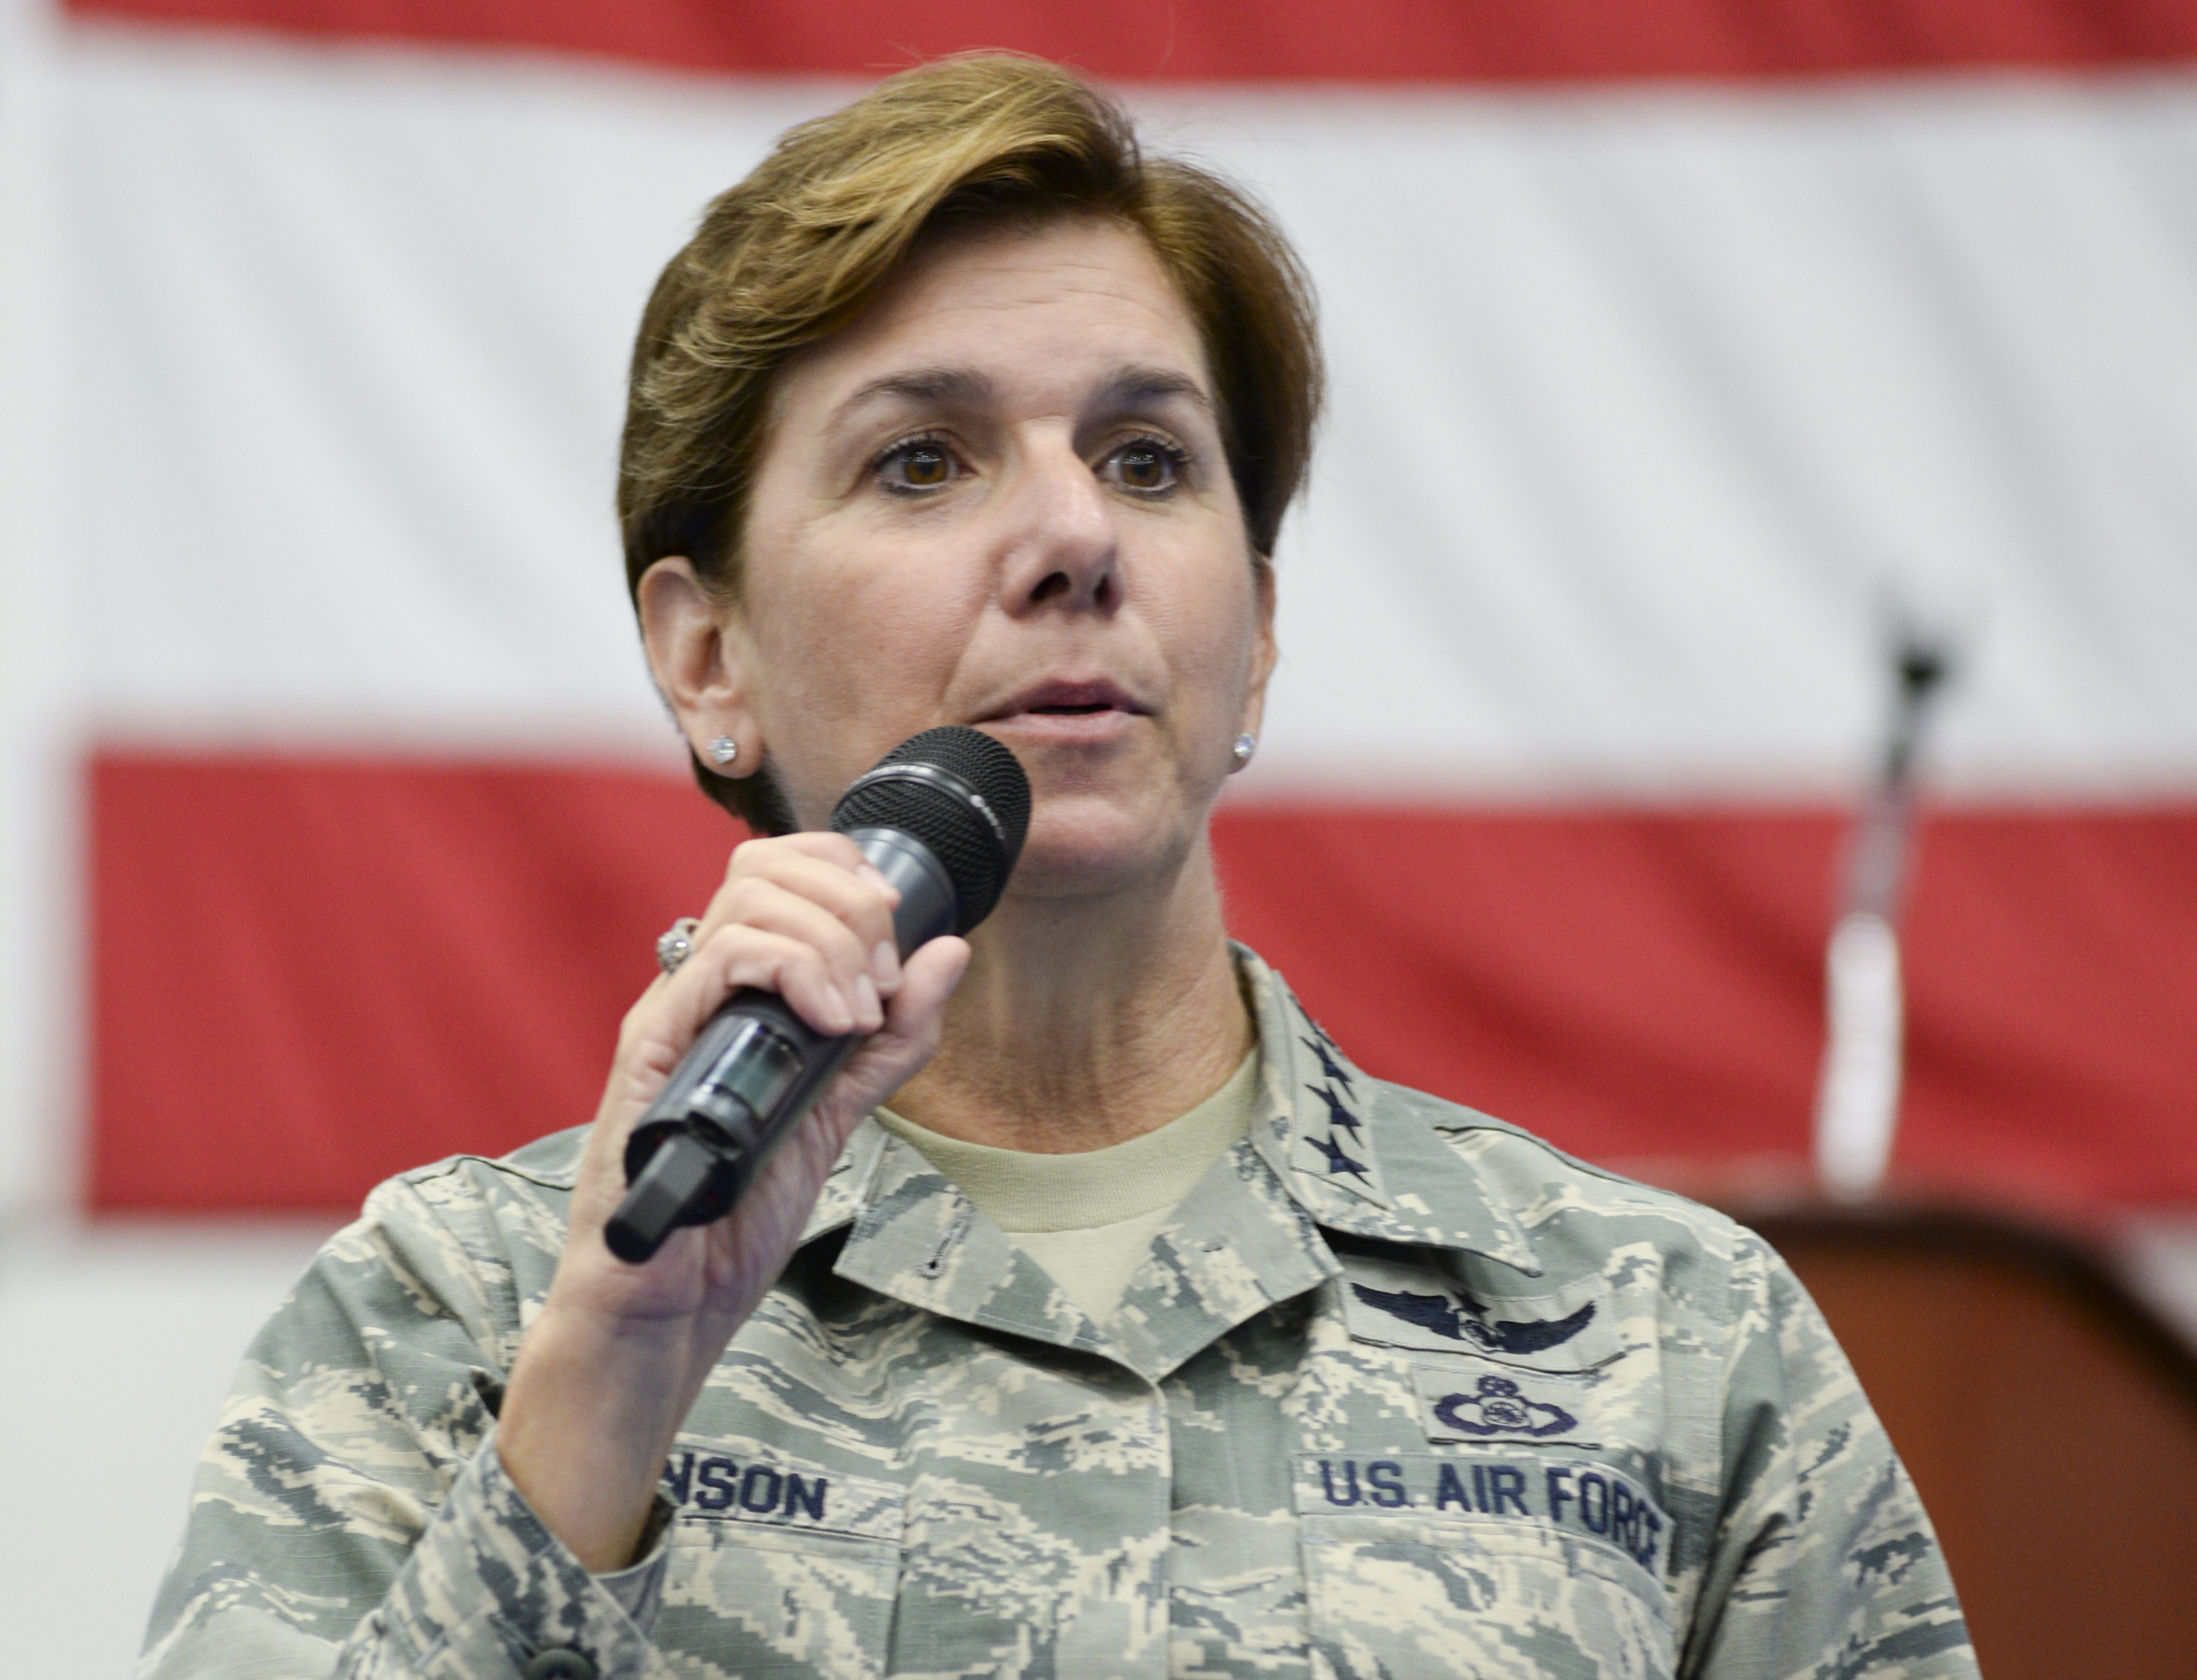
(1089, 1219)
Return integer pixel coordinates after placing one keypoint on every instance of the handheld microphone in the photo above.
(943, 817)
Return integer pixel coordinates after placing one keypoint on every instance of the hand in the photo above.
(611, 1367)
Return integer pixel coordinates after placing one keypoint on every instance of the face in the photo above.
(999, 498)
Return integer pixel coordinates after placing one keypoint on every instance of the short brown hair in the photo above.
(825, 222)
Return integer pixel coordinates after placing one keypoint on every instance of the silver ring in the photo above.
(675, 944)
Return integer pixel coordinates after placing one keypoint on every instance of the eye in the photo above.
(918, 465)
(1145, 465)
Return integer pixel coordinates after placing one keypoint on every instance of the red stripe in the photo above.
(311, 974)
(1636, 985)
(308, 976)
(1279, 40)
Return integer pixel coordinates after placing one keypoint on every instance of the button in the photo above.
(560, 1665)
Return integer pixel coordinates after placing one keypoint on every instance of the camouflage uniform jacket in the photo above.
(1401, 1391)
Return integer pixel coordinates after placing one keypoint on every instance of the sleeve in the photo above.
(351, 1517)
(1822, 1561)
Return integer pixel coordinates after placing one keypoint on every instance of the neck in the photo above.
(1085, 1021)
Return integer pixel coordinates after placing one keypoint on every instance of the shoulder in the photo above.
(1731, 1319)
(474, 1202)
(465, 1192)
(1446, 1175)
(548, 1163)
(1571, 1214)
(469, 1238)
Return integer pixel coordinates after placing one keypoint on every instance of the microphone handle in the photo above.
(750, 1074)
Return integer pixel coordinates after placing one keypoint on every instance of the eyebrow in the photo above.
(953, 385)
(1132, 387)
(1126, 387)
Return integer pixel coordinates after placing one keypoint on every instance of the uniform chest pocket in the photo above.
(772, 1575)
(1401, 1588)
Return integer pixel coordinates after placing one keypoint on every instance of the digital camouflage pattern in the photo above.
(1399, 1392)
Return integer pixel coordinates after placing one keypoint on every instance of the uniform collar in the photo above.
(1329, 1149)
(1354, 1152)
(847, 1189)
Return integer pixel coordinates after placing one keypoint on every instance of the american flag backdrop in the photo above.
(1679, 349)
(1675, 348)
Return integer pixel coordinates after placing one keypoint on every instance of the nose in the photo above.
(1062, 547)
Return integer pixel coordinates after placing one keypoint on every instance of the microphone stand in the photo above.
(1857, 1095)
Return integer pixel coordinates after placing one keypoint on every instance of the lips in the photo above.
(1064, 698)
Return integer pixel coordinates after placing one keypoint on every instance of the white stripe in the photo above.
(350, 332)
(38, 976)
(1642, 402)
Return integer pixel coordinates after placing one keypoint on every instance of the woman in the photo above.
(1142, 1334)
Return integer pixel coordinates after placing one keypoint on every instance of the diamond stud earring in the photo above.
(724, 748)
(1245, 747)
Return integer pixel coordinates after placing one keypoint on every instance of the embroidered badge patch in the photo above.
(1404, 1306)
(1494, 1408)
(1443, 1315)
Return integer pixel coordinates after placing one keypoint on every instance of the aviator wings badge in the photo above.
(1571, 1329)
(1440, 1315)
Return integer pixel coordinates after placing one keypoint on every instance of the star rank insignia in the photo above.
(1345, 1157)
(1337, 1114)
(1338, 1158)
(1329, 1059)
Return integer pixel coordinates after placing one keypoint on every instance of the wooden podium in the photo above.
(2047, 1414)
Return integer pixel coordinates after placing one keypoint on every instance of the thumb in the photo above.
(914, 1019)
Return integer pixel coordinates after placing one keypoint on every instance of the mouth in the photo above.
(1057, 698)
(1068, 715)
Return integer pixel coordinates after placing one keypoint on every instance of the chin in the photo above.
(1080, 846)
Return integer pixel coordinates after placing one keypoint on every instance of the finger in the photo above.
(855, 892)
(841, 852)
(816, 842)
(836, 851)
(770, 908)
(889, 1059)
(737, 956)
(793, 854)
(863, 899)
(926, 983)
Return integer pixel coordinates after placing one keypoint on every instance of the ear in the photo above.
(696, 655)
(1265, 654)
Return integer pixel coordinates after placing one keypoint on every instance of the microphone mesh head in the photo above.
(961, 794)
